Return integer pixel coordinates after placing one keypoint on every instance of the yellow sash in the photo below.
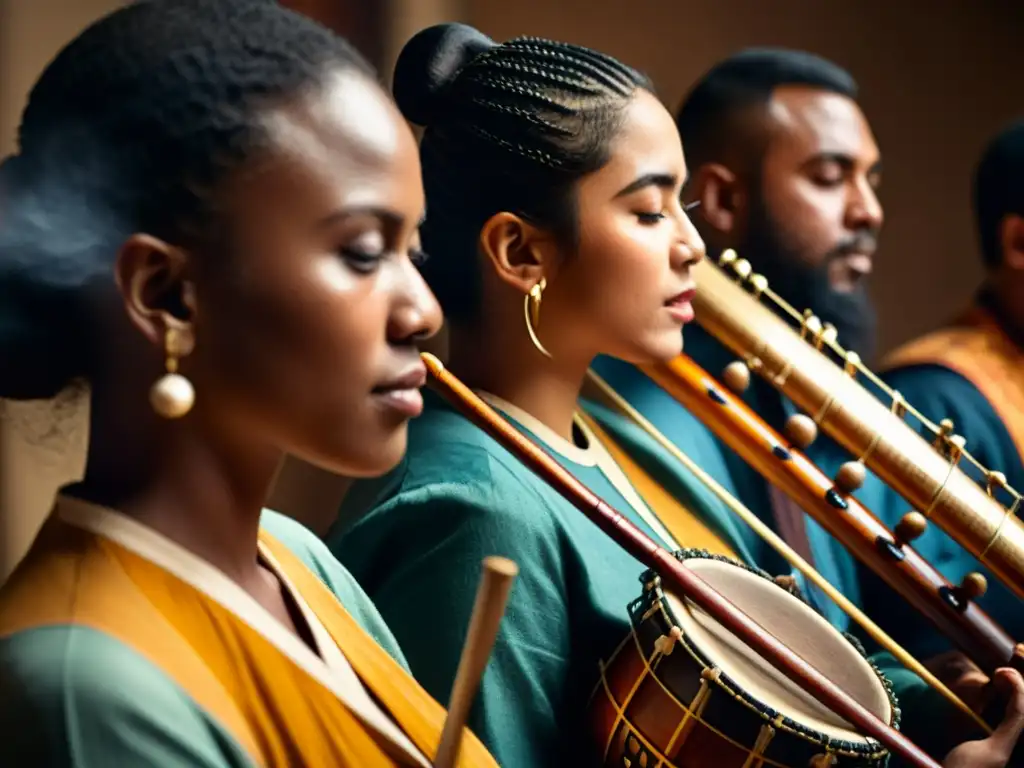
(276, 711)
(979, 350)
(685, 527)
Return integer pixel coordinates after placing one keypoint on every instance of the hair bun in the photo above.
(429, 63)
(9, 167)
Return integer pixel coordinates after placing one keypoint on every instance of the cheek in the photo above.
(304, 330)
(627, 275)
(809, 218)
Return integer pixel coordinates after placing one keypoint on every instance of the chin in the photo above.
(665, 347)
(373, 456)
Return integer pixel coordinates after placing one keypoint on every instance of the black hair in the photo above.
(131, 128)
(509, 127)
(708, 119)
(999, 189)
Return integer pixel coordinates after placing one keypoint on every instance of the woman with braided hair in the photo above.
(212, 221)
(553, 179)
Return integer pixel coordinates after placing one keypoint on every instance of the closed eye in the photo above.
(650, 218)
(361, 260)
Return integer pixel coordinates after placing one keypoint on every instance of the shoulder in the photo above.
(75, 696)
(458, 496)
(458, 471)
(316, 556)
(939, 392)
(925, 378)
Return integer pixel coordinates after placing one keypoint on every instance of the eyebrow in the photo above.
(843, 159)
(660, 180)
(386, 215)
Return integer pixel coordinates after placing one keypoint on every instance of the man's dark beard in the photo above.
(805, 287)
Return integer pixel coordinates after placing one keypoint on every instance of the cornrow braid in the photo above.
(132, 128)
(509, 127)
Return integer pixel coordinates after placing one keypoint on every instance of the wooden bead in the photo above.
(736, 377)
(850, 476)
(822, 761)
(973, 586)
(910, 527)
(801, 430)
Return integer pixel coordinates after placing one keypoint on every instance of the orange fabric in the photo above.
(419, 715)
(274, 709)
(685, 527)
(979, 350)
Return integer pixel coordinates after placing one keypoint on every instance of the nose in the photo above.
(688, 249)
(416, 314)
(864, 211)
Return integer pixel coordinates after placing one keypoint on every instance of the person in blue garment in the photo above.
(970, 369)
(785, 168)
(554, 180)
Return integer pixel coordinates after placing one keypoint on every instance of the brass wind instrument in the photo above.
(927, 476)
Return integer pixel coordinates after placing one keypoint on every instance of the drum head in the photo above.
(797, 626)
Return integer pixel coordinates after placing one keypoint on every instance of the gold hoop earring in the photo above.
(531, 312)
(172, 396)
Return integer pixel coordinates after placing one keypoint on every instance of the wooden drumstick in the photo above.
(488, 610)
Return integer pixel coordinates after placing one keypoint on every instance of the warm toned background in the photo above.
(937, 79)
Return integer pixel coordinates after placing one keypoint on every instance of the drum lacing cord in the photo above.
(665, 644)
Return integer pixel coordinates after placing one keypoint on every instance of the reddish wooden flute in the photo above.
(673, 573)
(839, 513)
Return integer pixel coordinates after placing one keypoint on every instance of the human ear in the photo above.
(723, 199)
(159, 296)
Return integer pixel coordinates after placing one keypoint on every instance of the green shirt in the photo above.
(415, 540)
(74, 696)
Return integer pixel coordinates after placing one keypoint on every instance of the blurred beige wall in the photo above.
(42, 445)
(937, 79)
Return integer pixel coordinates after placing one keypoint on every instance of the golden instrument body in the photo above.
(853, 417)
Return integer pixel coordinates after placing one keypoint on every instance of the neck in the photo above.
(1001, 297)
(507, 365)
(203, 493)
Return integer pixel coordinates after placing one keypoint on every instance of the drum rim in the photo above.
(654, 595)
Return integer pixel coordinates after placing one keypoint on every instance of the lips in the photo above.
(413, 378)
(680, 306)
(401, 395)
(680, 299)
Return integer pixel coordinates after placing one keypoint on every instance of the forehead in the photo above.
(647, 143)
(343, 140)
(804, 122)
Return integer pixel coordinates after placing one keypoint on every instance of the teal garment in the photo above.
(831, 558)
(941, 393)
(415, 540)
(74, 696)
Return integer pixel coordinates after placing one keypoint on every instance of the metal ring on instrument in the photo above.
(1010, 512)
(898, 407)
(820, 416)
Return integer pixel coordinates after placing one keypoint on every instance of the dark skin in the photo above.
(817, 177)
(299, 336)
(608, 296)
(1005, 283)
